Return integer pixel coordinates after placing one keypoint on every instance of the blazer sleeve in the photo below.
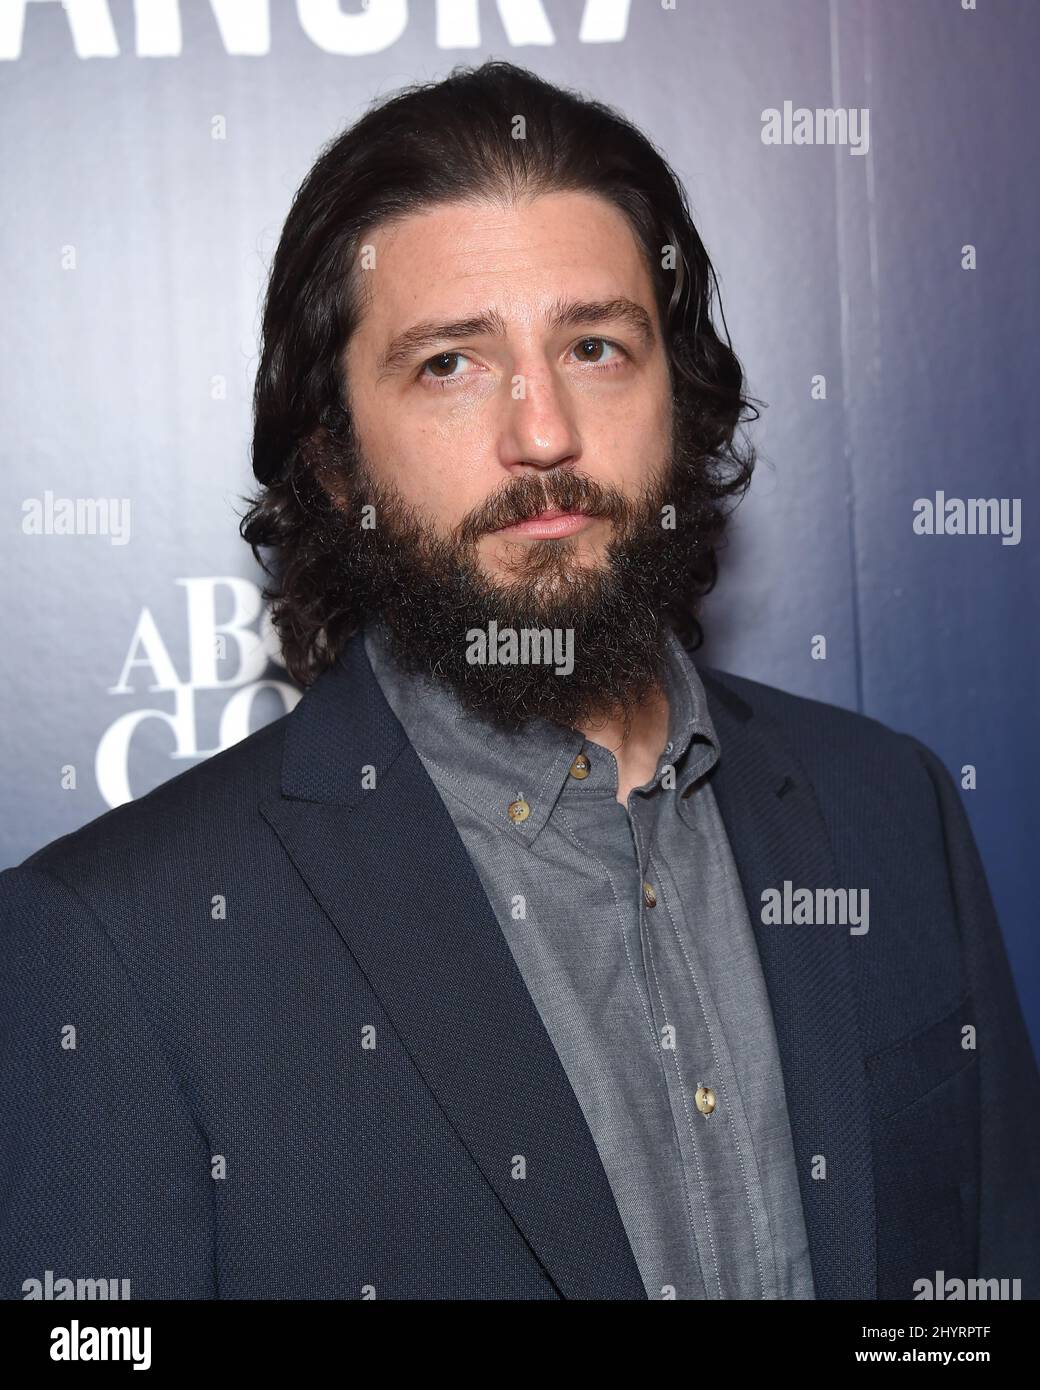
(104, 1173)
(1009, 1094)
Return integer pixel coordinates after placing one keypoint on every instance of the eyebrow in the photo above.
(571, 313)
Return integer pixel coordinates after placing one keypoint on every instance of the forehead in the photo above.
(452, 259)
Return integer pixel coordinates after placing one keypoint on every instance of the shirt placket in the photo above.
(670, 1022)
(700, 1087)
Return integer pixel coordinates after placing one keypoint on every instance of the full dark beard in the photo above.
(429, 593)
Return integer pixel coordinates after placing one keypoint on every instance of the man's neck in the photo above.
(636, 743)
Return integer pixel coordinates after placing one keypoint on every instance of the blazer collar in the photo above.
(367, 830)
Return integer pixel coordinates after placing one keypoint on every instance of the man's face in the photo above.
(514, 432)
(456, 420)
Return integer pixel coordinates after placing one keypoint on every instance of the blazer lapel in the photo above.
(777, 833)
(391, 872)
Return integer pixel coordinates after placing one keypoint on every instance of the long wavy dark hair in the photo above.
(449, 141)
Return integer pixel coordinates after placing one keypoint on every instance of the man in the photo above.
(524, 958)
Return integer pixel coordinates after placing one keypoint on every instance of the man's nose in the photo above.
(539, 426)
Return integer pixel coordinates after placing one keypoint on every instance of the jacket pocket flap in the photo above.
(906, 1070)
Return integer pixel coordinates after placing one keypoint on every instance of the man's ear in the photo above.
(320, 456)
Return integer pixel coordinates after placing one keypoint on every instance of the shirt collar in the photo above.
(491, 769)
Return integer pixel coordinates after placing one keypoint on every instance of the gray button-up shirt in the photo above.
(631, 932)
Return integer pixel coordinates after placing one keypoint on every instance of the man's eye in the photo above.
(596, 350)
(442, 367)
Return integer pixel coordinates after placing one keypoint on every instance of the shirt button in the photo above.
(581, 767)
(649, 896)
(518, 810)
(705, 1100)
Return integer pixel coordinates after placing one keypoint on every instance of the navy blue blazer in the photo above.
(304, 1059)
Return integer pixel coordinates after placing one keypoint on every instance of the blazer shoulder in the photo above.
(829, 740)
(207, 804)
(883, 794)
(799, 714)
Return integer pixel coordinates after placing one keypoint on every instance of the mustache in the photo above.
(525, 497)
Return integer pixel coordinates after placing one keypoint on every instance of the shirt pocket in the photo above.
(924, 1102)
